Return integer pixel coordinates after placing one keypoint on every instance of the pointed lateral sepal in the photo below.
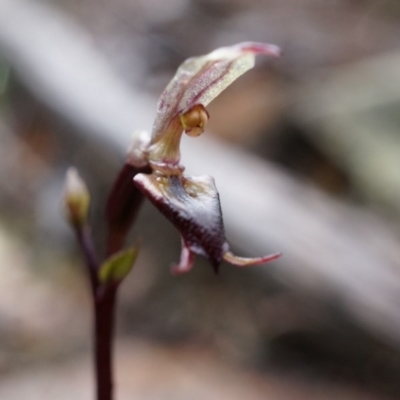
(248, 262)
(118, 266)
(186, 261)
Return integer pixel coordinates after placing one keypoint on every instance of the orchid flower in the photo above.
(191, 203)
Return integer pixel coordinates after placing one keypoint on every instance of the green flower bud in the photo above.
(76, 198)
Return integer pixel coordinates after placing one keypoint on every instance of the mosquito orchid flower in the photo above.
(192, 203)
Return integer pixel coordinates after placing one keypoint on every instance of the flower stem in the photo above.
(104, 301)
(104, 307)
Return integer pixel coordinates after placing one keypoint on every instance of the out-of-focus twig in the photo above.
(56, 59)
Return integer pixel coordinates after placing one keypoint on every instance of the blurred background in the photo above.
(306, 155)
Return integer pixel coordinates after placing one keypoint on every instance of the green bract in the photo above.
(118, 266)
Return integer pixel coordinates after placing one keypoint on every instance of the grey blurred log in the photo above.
(329, 247)
(57, 60)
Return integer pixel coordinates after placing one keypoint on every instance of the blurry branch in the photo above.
(57, 61)
(354, 109)
(330, 248)
(364, 85)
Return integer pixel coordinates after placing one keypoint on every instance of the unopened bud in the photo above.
(137, 150)
(76, 198)
(195, 120)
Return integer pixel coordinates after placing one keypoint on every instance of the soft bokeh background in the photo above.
(306, 155)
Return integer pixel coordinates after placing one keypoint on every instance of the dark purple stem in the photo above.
(104, 306)
(104, 300)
